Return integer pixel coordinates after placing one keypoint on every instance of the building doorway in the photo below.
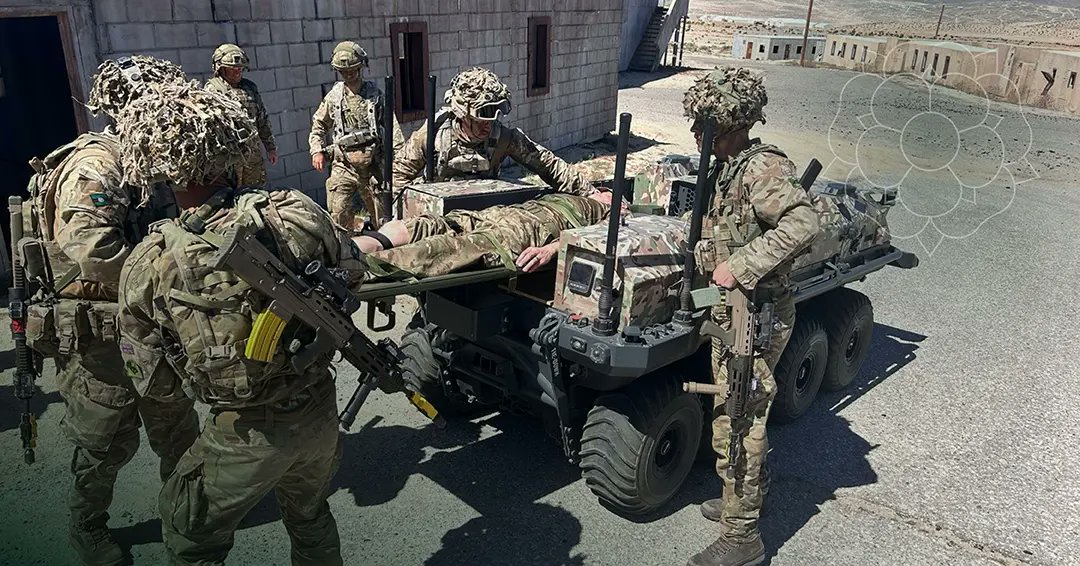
(36, 110)
(749, 49)
(787, 51)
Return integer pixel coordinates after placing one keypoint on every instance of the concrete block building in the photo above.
(775, 47)
(865, 54)
(559, 57)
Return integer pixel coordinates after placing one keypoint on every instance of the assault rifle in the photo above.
(322, 304)
(25, 372)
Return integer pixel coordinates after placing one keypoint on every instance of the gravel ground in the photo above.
(956, 445)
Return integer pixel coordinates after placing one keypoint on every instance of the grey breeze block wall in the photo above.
(289, 43)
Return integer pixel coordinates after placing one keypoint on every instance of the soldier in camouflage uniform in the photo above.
(352, 113)
(88, 221)
(759, 220)
(229, 63)
(184, 325)
(470, 142)
(521, 236)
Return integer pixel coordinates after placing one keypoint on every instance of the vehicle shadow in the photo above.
(496, 476)
(817, 455)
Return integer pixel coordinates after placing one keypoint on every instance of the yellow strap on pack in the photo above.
(262, 344)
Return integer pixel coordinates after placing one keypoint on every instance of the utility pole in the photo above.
(806, 33)
(941, 15)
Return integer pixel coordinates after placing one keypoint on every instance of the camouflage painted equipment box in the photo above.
(649, 268)
(474, 194)
(655, 184)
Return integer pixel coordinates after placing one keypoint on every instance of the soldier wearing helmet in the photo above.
(229, 63)
(352, 114)
(88, 218)
(470, 142)
(759, 220)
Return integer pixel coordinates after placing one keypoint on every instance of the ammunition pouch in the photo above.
(705, 256)
(474, 163)
(69, 326)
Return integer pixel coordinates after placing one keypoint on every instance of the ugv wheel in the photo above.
(850, 326)
(639, 445)
(422, 372)
(800, 369)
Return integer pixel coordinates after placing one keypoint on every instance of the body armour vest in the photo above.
(356, 116)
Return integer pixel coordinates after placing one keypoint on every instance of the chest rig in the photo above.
(461, 160)
(211, 312)
(730, 222)
(356, 116)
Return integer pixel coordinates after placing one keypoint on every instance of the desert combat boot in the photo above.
(95, 544)
(731, 551)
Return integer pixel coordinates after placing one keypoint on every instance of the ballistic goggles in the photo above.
(490, 111)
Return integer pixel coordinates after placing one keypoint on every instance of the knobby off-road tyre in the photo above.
(422, 371)
(800, 369)
(639, 445)
(848, 317)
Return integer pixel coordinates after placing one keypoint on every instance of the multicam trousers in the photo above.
(744, 493)
(101, 418)
(241, 455)
(351, 174)
(253, 172)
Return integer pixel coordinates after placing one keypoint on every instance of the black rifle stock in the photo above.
(25, 377)
(323, 304)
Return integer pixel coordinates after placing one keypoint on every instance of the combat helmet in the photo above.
(348, 55)
(229, 55)
(732, 96)
(478, 93)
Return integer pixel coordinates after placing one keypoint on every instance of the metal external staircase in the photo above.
(665, 19)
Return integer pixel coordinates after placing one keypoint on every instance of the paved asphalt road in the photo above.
(957, 444)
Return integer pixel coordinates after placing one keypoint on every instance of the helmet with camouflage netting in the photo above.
(732, 96)
(229, 55)
(478, 93)
(118, 82)
(348, 55)
(178, 134)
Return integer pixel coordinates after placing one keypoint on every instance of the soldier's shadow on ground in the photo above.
(817, 455)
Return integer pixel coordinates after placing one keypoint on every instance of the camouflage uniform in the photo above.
(491, 237)
(89, 223)
(184, 326)
(759, 220)
(247, 94)
(353, 166)
(459, 158)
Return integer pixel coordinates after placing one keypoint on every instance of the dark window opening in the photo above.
(945, 68)
(934, 67)
(798, 49)
(775, 49)
(761, 49)
(854, 48)
(409, 52)
(813, 49)
(36, 109)
(539, 56)
(843, 49)
(1070, 84)
(864, 50)
(833, 52)
(925, 54)
(915, 60)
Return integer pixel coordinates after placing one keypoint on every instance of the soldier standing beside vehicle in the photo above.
(759, 220)
(352, 113)
(229, 64)
(89, 220)
(185, 324)
(471, 143)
